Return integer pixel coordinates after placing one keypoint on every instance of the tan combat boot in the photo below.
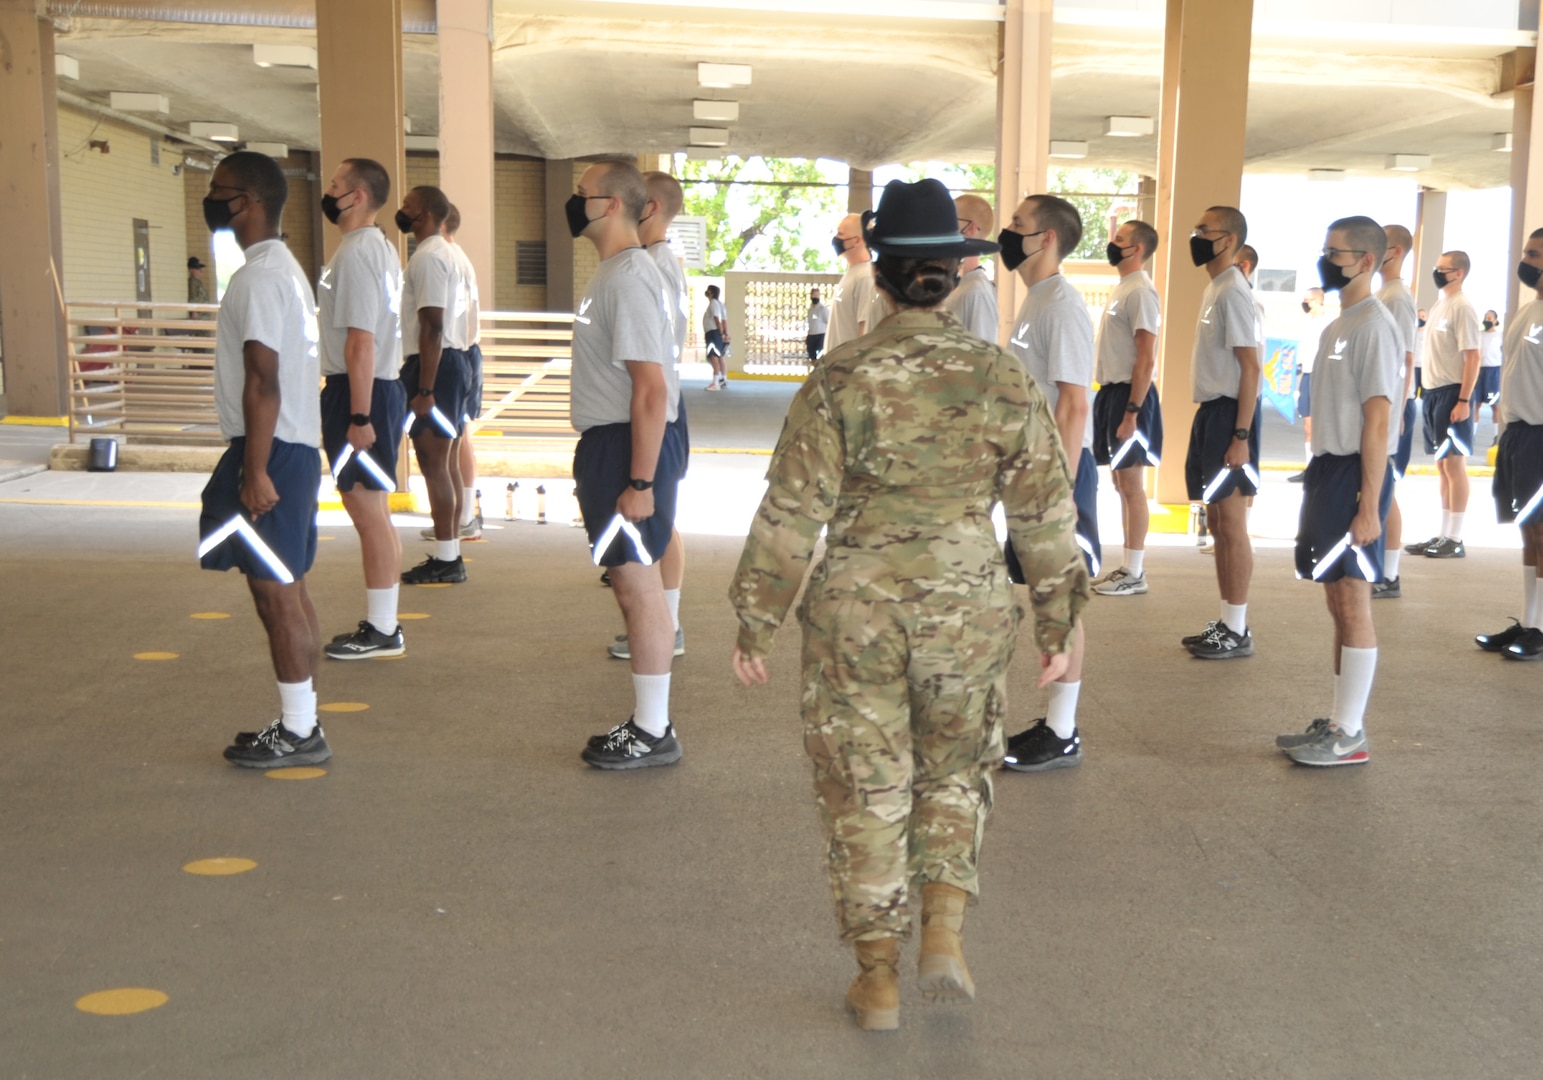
(875, 993)
(941, 972)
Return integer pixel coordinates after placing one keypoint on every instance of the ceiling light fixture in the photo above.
(1128, 127)
(1408, 162)
(722, 76)
(1061, 149)
(214, 131)
(705, 136)
(1326, 175)
(124, 101)
(302, 56)
(1500, 142)
(723, 112)
(66, 67)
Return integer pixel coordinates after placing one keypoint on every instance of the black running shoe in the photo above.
(277, 747)
(1196, 639)
(364, 643)
(605, 578)
(1419, 547)
(1446, 548)
(1502, 641)
(628, 746)
(432, 571)
(1040, 748)
(1529, 646)
(1223, 643)
(1297, 478)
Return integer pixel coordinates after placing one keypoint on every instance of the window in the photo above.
(530, 262)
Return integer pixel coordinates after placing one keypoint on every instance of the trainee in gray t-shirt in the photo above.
(1521, 375)
(1228, 321)
(1399, 301)
(974, 303)
(361, 289)
(269, 301)
(852, 312)
(1133, 306)
(1053, 336)
(1359, 357)
(622, 317)
(1451, 330)
(678, 302)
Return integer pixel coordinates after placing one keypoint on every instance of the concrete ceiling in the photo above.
(580, 77)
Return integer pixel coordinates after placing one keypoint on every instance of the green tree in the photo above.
(1097, 194)
(760, 226)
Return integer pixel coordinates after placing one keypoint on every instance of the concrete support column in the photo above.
(31, 308)
(466, 128)
(1146, 199)
(859, 190)
(559, 242)
(359, 72)
(1023, 127)
(1200, 164)
(1526, 165)
(1430, 227)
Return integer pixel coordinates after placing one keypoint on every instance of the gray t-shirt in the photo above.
(434, 280)
(974, 303)
(361, 289)
(1228, 321)
(269, 301)
(624, 316)
(1053, 336)
(1133, 306)
(853, 305)
(1490, 350)
(678, 301)
(1399, 301)
(1451, 328)
(818, 319)
(1521, 376)
(1359, 357)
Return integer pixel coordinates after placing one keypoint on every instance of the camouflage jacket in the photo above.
(900, 443)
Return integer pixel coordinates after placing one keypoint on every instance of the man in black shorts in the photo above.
(259, 507)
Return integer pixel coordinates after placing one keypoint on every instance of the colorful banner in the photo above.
(1280, 376)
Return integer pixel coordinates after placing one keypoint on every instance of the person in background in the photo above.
(1399, 301)
(198, 289)
(715, 331)
(1487, 389)
(851, 312)
(818, 323)
(974, 301)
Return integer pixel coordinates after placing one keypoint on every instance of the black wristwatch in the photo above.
(1240, 434)
(359, 419)
(1463, 400)
(1131, 406)
(639, 485)
(422, 392)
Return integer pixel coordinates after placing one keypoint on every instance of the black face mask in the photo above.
(813, 300)
(1307, 309)
(330, 208)
(577, 212)
(1440, 279)
(404, 223)
(1489, 324)
(217, 213)
(1201, 250)
(839, 244)
(1422, 322)
(1331, 276)
(1115, 253)
(1012, 253)
(1528, 274)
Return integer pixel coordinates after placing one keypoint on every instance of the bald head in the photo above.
(977, 212)
(665, 190)
(849, 237)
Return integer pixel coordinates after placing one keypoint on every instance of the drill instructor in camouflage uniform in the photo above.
(900, 443)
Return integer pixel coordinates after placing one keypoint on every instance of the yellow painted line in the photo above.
(209, 615)
(106, 502)
(155, 656)
(36, 421)
(124, 1001)
(729, 450)
(220, 867)
(413, 615)
(297, 772)
(432, 585)
(326, 538)
(747, 376)
(343, 706)
(398, 656)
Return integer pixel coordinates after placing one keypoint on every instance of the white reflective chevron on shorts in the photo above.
(241, 525)
(622, 525)
(369, 466)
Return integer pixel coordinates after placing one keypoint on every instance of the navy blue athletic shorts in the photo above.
(388, 412)
(714, 339)
(288, 531)
(1331, 495)
(1206, 475)
(1305, 395)
(1487, 387)
(473, 407)
(679, 424)
(1085, 496)
(1109, 414)
(451, 382)
(1442, 437)
(1405, 442)
(1518, 485)
(602, 467)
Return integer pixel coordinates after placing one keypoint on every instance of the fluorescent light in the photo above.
(1408, 162)
(66, 67)
(1128, 127)
(705, 136)
(422, 142)
(1061, 149)
(721, 111)
(722, 76)
(214, 131)
(130, 102)
(1326, 175)
(272, 149)
(284, 56)
(703, 153)
(1500, 142)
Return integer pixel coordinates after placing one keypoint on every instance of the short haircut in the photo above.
(1233, 221)
(976, 209)
(1146, 236)
(1459, 260)
(712, 291)
(623, 181)
(370, 175)
(1364, 234)
(1054, 212)
(1398, 236)
(1536, 234)
(665, 189)
(453, 220)
(259, 175)
(1247, 254)
(432, 202)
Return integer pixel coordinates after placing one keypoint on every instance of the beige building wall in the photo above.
(100, 196)
(302, 212)
(200, 241)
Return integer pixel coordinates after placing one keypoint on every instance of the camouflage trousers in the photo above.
(903, 707)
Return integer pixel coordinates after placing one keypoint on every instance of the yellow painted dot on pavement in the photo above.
(404, 616)
(467, 558)
(326, 538)
(219, 867)
(155, 656)
(296, 772)
(210, 615)
(434, 584)
(343, 706)
(123, 1001)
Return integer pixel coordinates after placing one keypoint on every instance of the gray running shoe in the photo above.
(472, 530)
(1315, 729)
(1196, 639)
(1387, 590)
(1332, 747)
(620, 650)
(1223, 643)
(1447, 548)
(1122, 583)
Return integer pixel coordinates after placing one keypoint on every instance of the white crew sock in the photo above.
(1235, 616)
(651, 694)
(672, 601)
(1455, 525)
(468, 505)
(380, 608)
(1062, 715)
(447, 550)
(297, 707)
(1135, 561)
(1446, 523)
(1532, 598)
(1390, 560)
(1356, 668)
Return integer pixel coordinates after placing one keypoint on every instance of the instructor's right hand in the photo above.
(750, 669)
(258, 494)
